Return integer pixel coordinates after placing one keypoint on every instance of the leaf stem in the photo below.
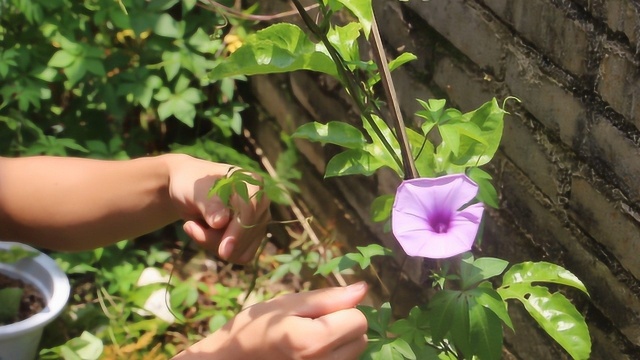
(410, 170)
(352, 86)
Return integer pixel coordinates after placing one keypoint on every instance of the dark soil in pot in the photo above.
(31, 303)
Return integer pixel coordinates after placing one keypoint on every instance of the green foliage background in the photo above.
(113, 79)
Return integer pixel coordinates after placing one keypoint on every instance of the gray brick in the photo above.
(619, 83)
(624, 16)
(599, 216)
(621, 154)
(467, 27)
(520, 145)
(621, 16)
(565, 41)
(466, 89)
(555, 107)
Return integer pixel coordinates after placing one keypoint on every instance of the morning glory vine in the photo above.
(437, 209)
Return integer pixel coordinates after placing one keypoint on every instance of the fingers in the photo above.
(317, 303)
(349, 351)
(205, 236)
(341, 328)
(246, 230)
(219, 217)
(338, 335)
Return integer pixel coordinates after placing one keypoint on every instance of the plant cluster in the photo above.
(437, 210)
(118, 79)
(115, 79)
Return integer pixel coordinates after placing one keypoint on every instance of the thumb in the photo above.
(317, 303)
(216, 217)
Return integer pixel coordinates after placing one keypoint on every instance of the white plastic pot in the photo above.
(19, 341)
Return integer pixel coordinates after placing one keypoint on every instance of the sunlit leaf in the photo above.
(333, 132)
(381, 207)
(362, 9)
(353, 162)
(377, 148)
(474, 271)
(279, 48)
(555, 314)
(530, 272)
(422, 151)
(489, 119)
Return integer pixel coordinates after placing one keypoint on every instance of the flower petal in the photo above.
(425, 196)
(419, 200)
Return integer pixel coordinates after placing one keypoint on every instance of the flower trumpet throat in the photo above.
(432, 218)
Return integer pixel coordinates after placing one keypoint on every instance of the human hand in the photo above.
(233, 232)
(314, 325)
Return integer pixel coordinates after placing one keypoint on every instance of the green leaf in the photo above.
(422, 151)
(15, 254)
(460, 325)
(168, 27)
(414, 328)
(61, 59)
(333, 132)
(75, 72)
(487, 193)
(7, 61)
(442, 307)
(353, 162)
(400, 346)
(377, 319)
(279, 48)
(433, 110)
(393, 64)
(372, 250)
(485, 332)
(555, 314)
(530, 272)
(381, 207)
(171, 62)
(340, 264)
(489, 119)
(486, 296)
(345, 40)
(84, 347)
(377, 148)
(401, 60)
(10, 300)
(362, 9)
(474, 271)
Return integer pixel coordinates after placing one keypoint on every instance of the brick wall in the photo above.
(568, 170)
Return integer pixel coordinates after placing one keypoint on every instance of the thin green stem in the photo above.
(346, 77)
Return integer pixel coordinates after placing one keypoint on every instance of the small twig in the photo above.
(254, 278)
(296, 210)
(410, 171)
(346, 77)
(216, 6)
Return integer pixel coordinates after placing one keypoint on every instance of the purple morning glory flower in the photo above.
(428, 217)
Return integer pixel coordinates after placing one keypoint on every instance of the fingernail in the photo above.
(357, 287)
(218, 217)
(226, 247)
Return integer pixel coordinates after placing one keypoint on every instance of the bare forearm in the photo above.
(73, 204)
